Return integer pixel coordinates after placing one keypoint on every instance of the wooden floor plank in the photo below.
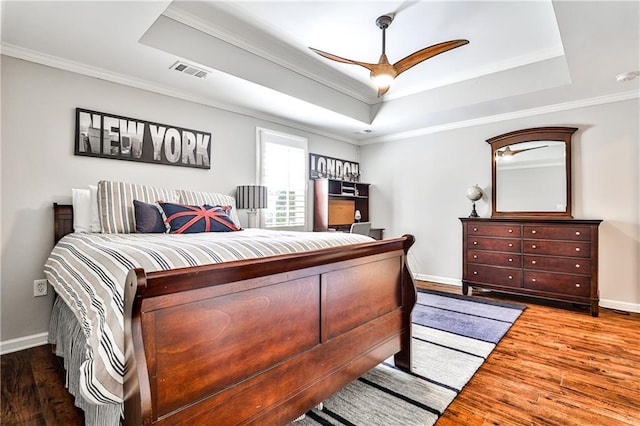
(33, 391)
(20, 400)
(56, 402)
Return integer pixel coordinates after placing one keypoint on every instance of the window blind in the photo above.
(283, 171)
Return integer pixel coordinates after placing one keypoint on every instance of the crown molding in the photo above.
(564, 106)
(83, 69)
(99, 73)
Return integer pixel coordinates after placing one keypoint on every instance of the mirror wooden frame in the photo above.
(561, 134)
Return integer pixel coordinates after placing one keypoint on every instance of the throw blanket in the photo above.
(88, 272)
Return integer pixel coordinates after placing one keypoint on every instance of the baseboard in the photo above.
(438, 280)
(21, 343)
(620, 306)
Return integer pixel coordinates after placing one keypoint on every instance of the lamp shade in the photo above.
(251, 197)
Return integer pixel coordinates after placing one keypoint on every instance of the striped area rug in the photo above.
(452, 336)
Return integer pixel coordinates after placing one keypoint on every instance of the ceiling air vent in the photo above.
(190, 69)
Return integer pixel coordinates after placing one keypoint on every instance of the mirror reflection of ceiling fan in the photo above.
(508, 153)
(383, 73)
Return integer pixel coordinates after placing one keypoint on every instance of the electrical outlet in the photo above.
(39, 288)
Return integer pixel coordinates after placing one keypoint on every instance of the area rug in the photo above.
(452, 336)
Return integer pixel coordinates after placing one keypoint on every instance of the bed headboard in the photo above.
(62, 221)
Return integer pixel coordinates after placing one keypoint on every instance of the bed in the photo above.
(259, 340)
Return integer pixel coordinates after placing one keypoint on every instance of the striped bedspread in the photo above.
(88, 272)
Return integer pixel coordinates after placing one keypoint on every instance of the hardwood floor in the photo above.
(33, 391)
(554, 367)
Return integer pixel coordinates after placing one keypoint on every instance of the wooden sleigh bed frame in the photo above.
(260, 341)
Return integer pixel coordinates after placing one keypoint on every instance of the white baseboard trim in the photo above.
(21, 343)
(604, 303)
(620, 306)
(438, 280)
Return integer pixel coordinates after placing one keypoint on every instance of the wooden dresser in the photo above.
(548, 258)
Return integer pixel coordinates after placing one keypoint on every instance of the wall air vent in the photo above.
(190, 69)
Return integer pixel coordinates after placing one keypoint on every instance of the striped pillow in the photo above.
(195, 198)
(115, 203)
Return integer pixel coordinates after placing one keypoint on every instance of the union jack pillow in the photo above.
(183, 219)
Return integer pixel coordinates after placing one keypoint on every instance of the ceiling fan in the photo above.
(508, 153)
(383, 73)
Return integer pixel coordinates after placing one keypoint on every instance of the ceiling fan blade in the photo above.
(405, 5)
(509, 153)
(368, 66)
(428, 52)
(517, 151)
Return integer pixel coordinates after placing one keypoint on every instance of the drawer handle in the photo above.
(475, 272)
(510, 277)
(533, 280)
(533, 246)
(577, 232)
(475, 229)
(510, 244)
(510, 230)
(475, 256)
(475, 243)
(533, 262)
(510, 260)
(577, 285)
(533, 232)
(577, 265)
(577, 248)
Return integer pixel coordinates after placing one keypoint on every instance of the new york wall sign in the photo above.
(104, 135)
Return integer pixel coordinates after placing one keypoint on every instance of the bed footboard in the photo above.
(262, 341)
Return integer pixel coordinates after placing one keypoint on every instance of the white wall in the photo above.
(39, 168)
(420, 185)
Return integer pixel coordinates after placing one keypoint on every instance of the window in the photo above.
(282, 169)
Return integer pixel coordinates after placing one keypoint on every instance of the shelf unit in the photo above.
(335, 202)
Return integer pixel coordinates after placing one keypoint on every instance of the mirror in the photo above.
(531, 172)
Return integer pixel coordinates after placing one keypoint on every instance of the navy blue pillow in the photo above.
(148, 218)
(184, 219)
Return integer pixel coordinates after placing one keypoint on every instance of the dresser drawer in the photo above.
(576, 285)
(494, 230)
(495, 244)
(494, 258)
(557, 248)
(549, 232)
(489, 274)
(558, 264)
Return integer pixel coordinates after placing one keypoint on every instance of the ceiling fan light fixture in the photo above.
(505, 154)
(382, 80)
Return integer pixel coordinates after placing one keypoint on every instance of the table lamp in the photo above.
(251, 197)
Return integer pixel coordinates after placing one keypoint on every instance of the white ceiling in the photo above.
(523, 57)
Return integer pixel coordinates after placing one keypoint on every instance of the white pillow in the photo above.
(94, 217)
(81, 200)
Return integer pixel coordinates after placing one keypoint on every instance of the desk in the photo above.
(376, 233)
